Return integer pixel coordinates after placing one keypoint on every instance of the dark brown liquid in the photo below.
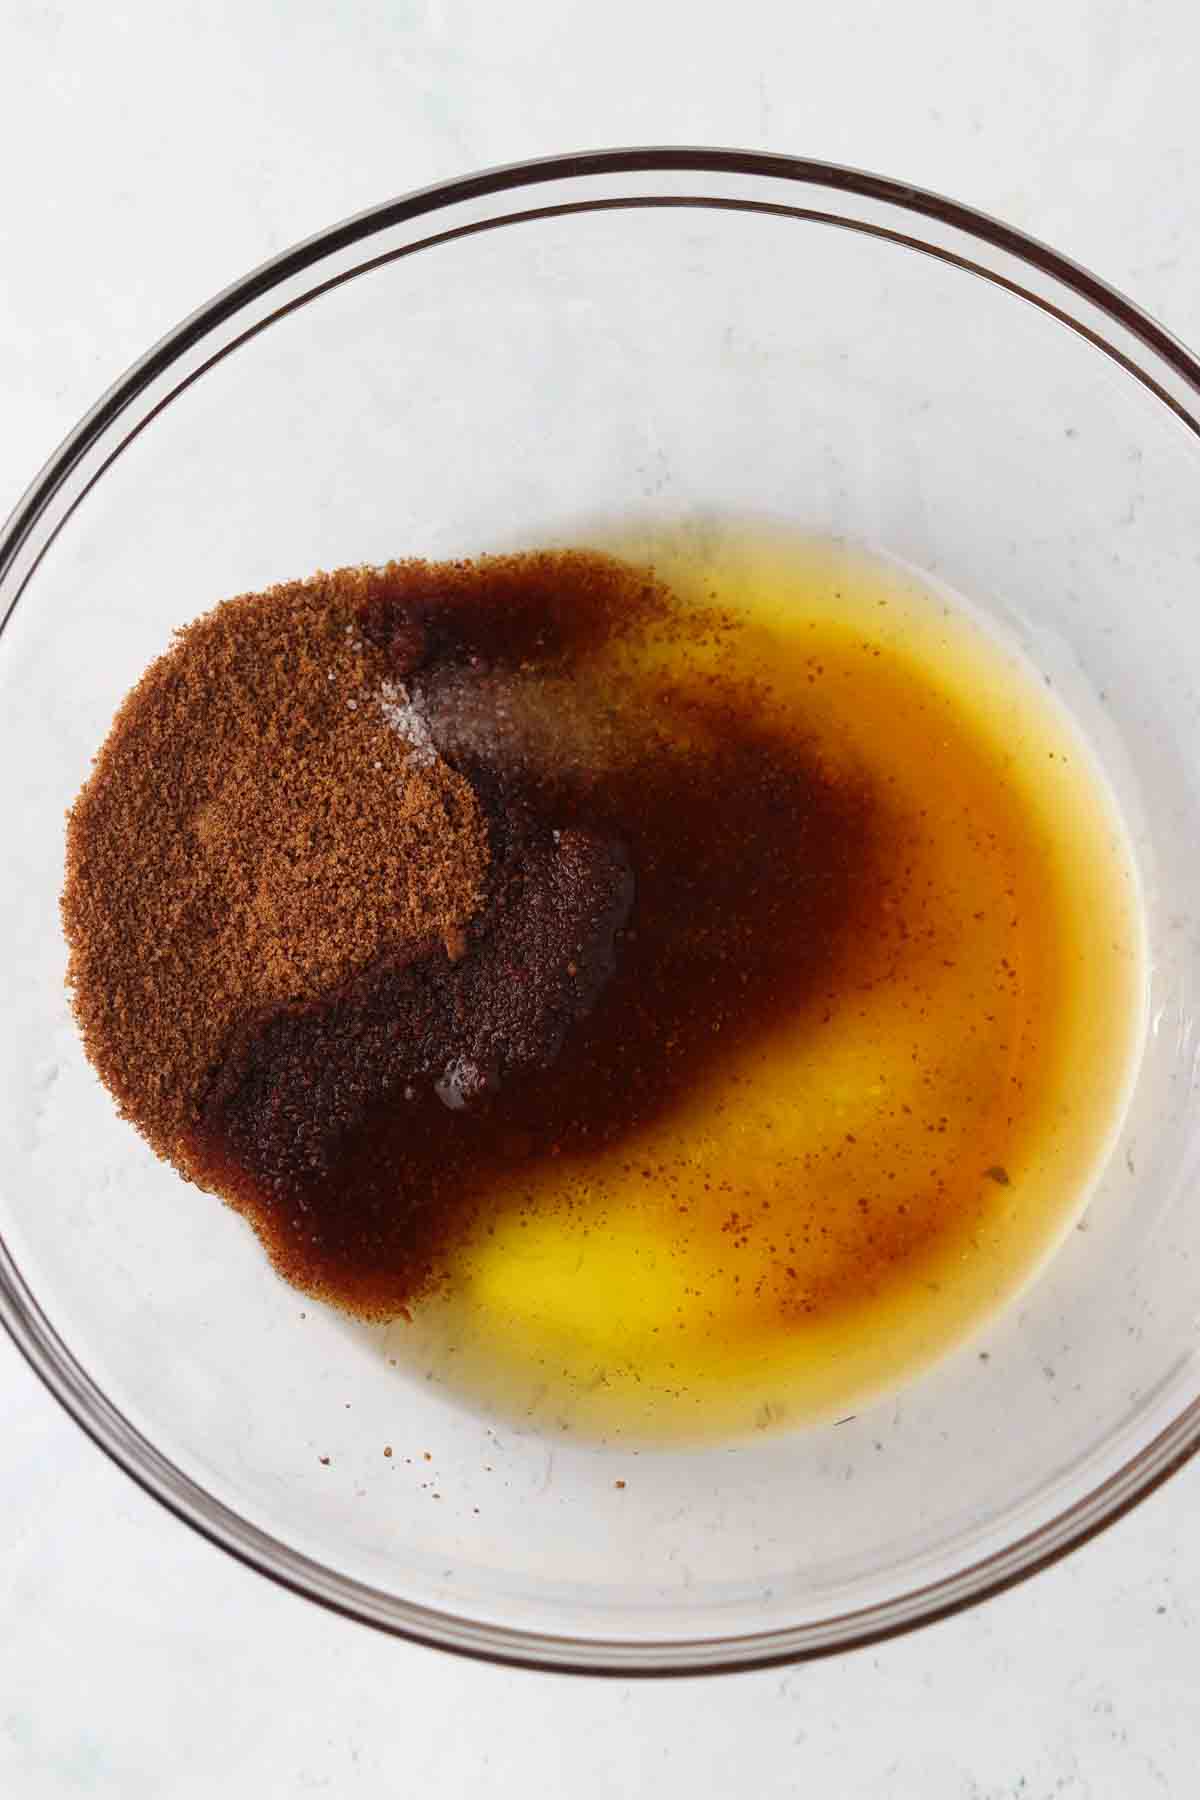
(678, 875)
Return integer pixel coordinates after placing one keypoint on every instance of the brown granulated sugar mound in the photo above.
(256, 830)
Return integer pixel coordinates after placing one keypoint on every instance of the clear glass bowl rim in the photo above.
(42, 509)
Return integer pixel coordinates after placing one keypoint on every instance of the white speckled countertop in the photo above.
(153, 151)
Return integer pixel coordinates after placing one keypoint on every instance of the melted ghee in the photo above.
(843, 1194)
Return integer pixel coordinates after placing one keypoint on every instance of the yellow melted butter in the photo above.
(840, 1202)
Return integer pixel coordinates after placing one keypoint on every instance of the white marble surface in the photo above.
(152, 151)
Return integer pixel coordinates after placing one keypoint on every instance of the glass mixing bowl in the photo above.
(655, 335)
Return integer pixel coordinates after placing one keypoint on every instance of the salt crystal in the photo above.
(407, 720)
